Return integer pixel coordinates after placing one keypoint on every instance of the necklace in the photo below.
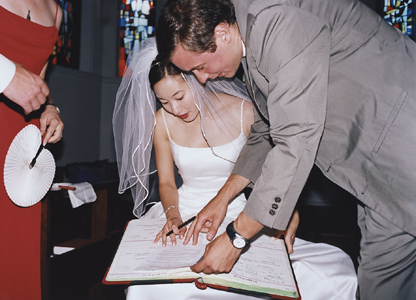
(28, 10)
(200, 121)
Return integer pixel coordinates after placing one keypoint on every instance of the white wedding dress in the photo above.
(322, 271)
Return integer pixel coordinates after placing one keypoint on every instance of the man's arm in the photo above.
(22, 86)
(292, 70)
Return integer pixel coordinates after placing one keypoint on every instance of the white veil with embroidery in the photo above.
(134, 120)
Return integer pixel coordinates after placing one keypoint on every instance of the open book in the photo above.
(264, 268)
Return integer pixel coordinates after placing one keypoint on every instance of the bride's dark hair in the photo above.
(160, 70)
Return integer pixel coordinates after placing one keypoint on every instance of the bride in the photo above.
(201, 130)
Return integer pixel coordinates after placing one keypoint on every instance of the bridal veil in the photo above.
(134, 120)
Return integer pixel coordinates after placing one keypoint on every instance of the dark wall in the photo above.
(86, 96)
(86, 101)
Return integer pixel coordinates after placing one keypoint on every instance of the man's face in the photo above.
(224, 62)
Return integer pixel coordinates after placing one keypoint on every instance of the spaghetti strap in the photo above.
(241, 116)
(56, 12)
(166, 124)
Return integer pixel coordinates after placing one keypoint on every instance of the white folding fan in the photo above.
(28, 170)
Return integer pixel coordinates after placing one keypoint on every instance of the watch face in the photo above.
(239, 243)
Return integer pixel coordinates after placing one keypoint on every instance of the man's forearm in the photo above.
(232, 187)
(246, 226)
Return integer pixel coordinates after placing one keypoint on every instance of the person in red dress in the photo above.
(28, 33)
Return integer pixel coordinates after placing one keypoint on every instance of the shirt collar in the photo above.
(244, 48)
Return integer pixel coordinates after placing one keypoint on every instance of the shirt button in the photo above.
(275, 206)
(272, 212)
(277, 199)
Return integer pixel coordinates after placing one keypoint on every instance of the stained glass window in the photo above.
(136, 23)
(399, 14)
(67, 49)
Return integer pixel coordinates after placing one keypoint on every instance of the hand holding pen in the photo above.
(176, 226)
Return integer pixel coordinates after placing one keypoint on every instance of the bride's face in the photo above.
(176, 97)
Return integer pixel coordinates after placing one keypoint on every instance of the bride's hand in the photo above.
(171, 224)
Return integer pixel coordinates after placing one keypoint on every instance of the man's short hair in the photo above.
(191, 23)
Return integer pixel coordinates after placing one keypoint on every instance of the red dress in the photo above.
(30, 45)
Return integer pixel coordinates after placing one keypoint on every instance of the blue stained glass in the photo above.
(399, 14)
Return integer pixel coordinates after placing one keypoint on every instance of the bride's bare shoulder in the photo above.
(233, 103)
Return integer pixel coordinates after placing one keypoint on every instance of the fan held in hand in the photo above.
(25, 185)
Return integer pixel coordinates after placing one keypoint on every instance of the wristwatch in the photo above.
(54, 105)
(237, 240)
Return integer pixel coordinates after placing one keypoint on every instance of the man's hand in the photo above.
(207, 220)
(219, 257)
(27, 90)
(210, 217)
(290, 233)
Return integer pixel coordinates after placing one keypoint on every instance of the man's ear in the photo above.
(223, 33)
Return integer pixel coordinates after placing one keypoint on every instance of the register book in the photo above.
(264, 268)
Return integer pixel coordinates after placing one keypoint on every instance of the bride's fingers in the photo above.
(173, 238)
(164, 231)
(175, 229)
(164, 238)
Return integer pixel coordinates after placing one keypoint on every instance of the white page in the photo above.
(264, 264)
(137, 256)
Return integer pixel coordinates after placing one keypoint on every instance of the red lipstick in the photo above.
(184, 116)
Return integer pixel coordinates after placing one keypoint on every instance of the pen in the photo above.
(182, 225)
